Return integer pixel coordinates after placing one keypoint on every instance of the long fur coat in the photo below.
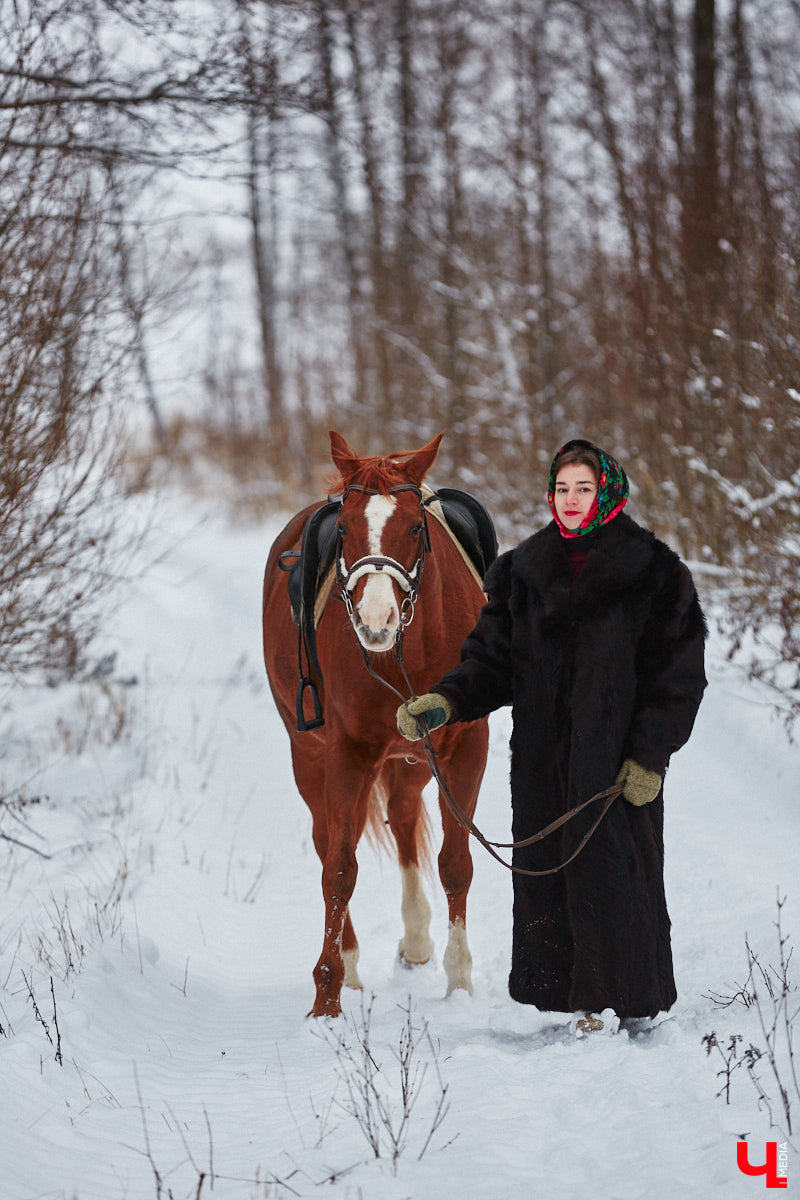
(603, 669)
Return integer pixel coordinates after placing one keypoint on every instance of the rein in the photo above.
(374, 563)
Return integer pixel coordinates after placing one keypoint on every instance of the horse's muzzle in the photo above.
(375, 640)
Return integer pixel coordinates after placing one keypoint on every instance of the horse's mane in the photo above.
(373, 471)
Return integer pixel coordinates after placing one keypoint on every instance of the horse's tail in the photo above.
(379, 834)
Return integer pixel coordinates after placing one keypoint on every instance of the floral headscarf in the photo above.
(612, 490)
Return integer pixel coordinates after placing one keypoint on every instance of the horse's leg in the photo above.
(352, 978)
(404, 783)
(348, 784)
(309, 772)
(462, 769)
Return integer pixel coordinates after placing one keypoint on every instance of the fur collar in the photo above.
(618, 560)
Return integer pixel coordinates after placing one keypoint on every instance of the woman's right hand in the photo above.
(641, 786)
(423, 714)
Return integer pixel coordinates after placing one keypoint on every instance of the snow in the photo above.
(179, 916)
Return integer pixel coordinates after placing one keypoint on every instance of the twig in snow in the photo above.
(250, 894)
(210, 1148)
(442, 1108)
(384, 1117)
(59, 1059)
(36, 1011)
(185, 977)
(202, 1176)
(773, 1000)
(13, 960)
(6, 1029)
(777, 1020)
(148, 1150)
(138, 939)
(108, 1097)
(25, 846)
(730, 1058)
(286, 1097)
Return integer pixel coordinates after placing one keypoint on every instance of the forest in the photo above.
(229, 227)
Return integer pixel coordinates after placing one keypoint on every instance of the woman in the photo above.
(594, 634)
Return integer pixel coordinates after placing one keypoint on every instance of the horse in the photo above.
(351, 766)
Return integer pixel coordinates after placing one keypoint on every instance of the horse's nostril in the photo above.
(376, 638)
(378, 628)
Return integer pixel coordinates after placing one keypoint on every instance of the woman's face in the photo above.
(576, 488)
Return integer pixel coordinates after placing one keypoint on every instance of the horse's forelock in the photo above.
(376, 472)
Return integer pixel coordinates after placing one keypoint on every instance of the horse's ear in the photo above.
(417, 465)
(344, 457)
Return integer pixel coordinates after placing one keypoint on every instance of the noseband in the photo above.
(381, 564)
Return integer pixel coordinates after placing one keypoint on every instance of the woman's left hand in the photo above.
(641, 785)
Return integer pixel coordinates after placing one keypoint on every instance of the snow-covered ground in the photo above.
(155, 970)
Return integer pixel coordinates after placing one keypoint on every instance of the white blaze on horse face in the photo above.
(377, 512)
(377, 611)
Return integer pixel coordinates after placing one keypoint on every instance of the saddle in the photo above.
(469, 523)
(313, 563)
(312, 569)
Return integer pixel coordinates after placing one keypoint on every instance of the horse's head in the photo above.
(382, 537)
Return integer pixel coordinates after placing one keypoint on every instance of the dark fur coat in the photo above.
(606, 668)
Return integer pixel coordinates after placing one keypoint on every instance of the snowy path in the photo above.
(181, 916)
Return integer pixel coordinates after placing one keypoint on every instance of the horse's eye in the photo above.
(342, 528)
(416, 529)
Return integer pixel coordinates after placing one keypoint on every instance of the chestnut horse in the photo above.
(355, 770)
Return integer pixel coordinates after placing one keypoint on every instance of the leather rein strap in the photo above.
(608, 795)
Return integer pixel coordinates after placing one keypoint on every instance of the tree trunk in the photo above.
(264, 243)
(344, 216)
(410, 167)
(450, 49)
(377, 237)
(261, 69)
(134, 309)
(701, 213)
(612, 143)
(541, 157)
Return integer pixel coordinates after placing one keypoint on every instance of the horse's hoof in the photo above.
(325, 1008)
(460, 985)
(416, 951)
(408, 964)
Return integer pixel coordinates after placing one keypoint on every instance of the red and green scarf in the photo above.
(612, 491)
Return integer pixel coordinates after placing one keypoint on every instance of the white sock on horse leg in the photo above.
(416, 944)
(457, 959)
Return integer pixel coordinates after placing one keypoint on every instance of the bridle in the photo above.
(383, 564)
(409, 581)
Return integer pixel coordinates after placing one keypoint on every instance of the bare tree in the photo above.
(261, 68)
(701, 209)
(411, 155)
(345, 218)
(59, 368)
(79, 121)
(376, 223)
